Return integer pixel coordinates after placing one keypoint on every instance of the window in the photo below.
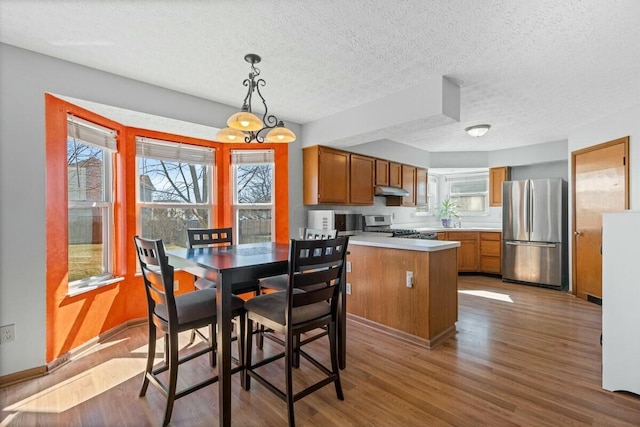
(175, 189)
(470, 192)
(432, 198)
(90, 150)
(253, 206)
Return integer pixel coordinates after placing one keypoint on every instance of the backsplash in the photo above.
(405, 217)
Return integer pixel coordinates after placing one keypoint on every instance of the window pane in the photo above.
(254, 183)
(164, 181)
(254, 225)
(170, 224)
(471, 203)
(84, 172)
(85, 243)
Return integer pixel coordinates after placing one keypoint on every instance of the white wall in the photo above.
(24, 78)
(618, 125)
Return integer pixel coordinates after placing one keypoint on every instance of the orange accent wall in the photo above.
(72, 321)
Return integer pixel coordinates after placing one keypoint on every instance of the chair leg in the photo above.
(289, 359)
(260, 340)
(296, 353)
(248, 331)
(173, 376)
(193, 337)
(241, 343)
(150, 358)
(334, 359)
(214, 345)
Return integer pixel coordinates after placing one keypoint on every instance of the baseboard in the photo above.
(405, 336)
(65, 358)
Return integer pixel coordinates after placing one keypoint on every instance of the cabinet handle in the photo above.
(577, 233)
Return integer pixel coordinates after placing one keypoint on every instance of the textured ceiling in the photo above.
(533, 70)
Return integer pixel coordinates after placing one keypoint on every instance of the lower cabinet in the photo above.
(478, 252)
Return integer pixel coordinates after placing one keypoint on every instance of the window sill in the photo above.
(91, 286)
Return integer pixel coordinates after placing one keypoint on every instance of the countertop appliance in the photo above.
(346, 223)
(534, 232)
(382, 224)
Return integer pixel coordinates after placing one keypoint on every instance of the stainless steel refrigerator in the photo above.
(534, 232)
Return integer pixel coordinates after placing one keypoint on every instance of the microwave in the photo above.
(346, 223)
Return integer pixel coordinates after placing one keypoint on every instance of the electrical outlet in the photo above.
(409, 279)
(348, 288)
(348, 266)
(7, 333)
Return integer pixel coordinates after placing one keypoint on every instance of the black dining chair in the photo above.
(207, 237)
(309, 302)
(280, 283)
(171, 314)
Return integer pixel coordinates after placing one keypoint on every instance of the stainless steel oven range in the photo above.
(382, 224)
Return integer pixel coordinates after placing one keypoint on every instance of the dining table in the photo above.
(231, 267)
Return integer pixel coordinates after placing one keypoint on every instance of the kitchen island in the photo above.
(406, 287)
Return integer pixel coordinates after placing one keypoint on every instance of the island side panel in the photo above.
(379, 292)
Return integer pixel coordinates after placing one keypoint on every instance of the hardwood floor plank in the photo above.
(522, 356)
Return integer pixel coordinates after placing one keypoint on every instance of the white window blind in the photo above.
(251, 156)
(173, 151)
(91, 133)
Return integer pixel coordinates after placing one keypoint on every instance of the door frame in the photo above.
(624, 140)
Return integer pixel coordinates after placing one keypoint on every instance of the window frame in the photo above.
(105, 139)
(236, 206)
(452, 178)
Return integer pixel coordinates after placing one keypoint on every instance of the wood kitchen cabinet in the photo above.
(395, 174)
(325, 176)
(409, 183)
(337, 177)
(479, 252)
(491, 253)
(496, 177)
(468, 251)
(361, 180)
(421, 186)
(382, 172)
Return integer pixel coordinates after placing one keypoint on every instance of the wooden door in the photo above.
(361, 180)
(409, 184)
(382, 172)
(600, 184)
(395, 175)
(333, 176)
(496, 177)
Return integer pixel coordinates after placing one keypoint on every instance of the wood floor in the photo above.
(522, 356)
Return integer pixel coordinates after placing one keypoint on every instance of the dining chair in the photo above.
(207, 237)
(171, 314)
(309, 302)
(280, 282)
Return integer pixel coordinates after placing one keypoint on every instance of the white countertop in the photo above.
(400, 243)
(442, 229)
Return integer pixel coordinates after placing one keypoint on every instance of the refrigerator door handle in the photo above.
(538, 244)
(525, 208)
(531, 208)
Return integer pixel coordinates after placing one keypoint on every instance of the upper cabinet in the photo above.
(361, 180)
(325, 177)
(395, 174)
(336, 177)
(496, 177)
(382, 172)
(409, 184)
(421, 186)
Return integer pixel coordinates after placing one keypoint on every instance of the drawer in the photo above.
(491, 236)
(490, 247)
(462, 235)
(490, 264)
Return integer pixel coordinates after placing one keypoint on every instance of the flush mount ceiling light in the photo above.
(478, 130)
(246, 126)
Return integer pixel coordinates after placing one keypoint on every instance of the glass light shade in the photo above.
(245, 121)
(478, 130)
(230, 135)
(280, 134)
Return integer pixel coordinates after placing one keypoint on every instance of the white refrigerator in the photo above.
(621, 301)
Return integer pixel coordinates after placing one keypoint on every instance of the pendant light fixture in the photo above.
(478, 130)
(246, 126)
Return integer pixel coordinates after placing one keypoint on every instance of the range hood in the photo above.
(382, 190)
